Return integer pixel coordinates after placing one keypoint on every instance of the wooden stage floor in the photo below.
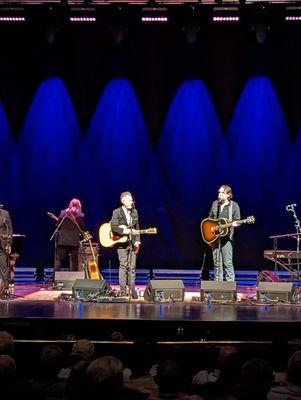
(36, 312)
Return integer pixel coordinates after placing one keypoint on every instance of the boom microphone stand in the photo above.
(291, 208)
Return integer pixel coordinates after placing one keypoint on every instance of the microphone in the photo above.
(290, 207)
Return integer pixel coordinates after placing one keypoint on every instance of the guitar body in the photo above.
(212, 229)
(107, 237)
(93, 270)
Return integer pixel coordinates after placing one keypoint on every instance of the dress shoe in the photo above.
(134, 294)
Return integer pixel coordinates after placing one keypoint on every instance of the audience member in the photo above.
(257, 379)
(105, 380)
(291, 389)
(170, 383)
(204, 376)
(6, 343)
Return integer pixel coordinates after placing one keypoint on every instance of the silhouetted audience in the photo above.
(6, 343)
(204, 376)
(169, 379)
(291, 388)
(256, 380)
(229, 378)
(105, 380)
(82, 350)
(51, 362)
(137, 375)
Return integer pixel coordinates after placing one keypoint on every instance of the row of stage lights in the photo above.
(147, 15)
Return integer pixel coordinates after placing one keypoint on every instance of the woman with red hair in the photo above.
(71, 224)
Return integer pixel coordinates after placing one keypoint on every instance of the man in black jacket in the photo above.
(222, 249)
(6, 238)
(125, 222)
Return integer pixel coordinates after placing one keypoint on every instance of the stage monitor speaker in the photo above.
(275, 291)
(218, 291)
(82, 288)
(63, 280)
(164, 290)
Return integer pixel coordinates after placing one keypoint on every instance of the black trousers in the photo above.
(62, 252)
(4, 267)
(127, 268)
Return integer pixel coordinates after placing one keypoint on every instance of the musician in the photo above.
(222, 249)
(70, 225)
(127, 215)
(6, 238)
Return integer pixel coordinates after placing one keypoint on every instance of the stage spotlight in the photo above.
(226, 15)
(293, 14)
(82, 15)
(12, 15)
(154, 15)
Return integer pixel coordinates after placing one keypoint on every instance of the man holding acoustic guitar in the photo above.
(125, 222)
(222, 248)
(218, 230)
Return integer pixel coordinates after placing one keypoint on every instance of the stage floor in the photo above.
(37, 312)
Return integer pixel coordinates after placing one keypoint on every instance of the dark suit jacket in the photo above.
(119, 218)
(69, 234)
(5, 228)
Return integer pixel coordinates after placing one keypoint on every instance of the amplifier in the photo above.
(218, 291)
(82, 288)
(275, 291)
(164, 290)
(63, 280)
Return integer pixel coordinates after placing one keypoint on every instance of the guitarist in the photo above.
(127, 252)
(222, 249)
(69, 235)
(6, 238)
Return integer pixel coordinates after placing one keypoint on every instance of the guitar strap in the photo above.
(231, 211)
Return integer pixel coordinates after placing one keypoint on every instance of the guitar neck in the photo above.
(229, 224)
(143, 231)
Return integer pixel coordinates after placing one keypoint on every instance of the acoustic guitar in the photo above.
(212, 229)
(108, 239)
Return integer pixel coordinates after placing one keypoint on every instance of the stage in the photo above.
(38, 312)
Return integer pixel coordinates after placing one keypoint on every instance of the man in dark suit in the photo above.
(71, 224)
(125, 222)
(6, 239)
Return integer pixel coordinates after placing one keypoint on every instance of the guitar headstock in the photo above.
(87, 236)
(250, 219)
(152, 231)
(51, 215)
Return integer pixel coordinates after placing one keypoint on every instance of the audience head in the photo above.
(257, 377)
(83, 349)
(224, 354)
(294, 369)
(169, 377)
(6, 343)
(52, 360)
(7, 370)
(104, 376)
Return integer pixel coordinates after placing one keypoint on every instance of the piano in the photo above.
(284, 254)
(287, 259)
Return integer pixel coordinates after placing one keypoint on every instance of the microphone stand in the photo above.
(54, 235)
(130, 257)
(298, 230)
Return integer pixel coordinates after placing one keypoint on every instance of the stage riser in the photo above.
(152, 330)
(189, 277)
